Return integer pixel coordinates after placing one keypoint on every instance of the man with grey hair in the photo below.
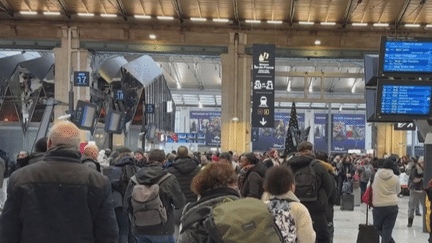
(59, 199)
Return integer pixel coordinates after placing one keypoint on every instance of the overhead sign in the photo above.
(149, 108)
(263, 79)
(404, 126)
(82, 79)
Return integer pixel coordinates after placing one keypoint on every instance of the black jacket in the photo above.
(185, 170)
(58, 200)
(29, 160)
(89, 162)
(325, 186)
(253, 185)
(170, 194)
(416, 179)
(128, 170)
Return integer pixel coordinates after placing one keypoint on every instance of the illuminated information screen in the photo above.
(403, 56)
(405, 99)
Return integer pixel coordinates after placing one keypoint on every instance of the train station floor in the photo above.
(346, 224)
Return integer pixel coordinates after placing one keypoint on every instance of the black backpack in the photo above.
(306, 183)
(114, 174)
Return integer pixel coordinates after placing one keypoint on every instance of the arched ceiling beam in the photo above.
(402, 13)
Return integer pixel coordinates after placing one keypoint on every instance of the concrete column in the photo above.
(236, 96)
(390, 141)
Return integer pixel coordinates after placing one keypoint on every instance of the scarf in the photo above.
(244, 172)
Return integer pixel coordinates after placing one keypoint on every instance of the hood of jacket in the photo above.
(125, 161)
(184, 165)
(298, 162)
(385, 174)
(35, 157)
(328, 167)
(150, 175)
(289, 195)
(261, 169)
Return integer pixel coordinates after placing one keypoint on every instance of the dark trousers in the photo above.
(384, 219)
(321, 227)
(123, 224)
(430, 238)
(363, 186)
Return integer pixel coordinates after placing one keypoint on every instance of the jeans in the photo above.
(363, 186)
(384, 219)
(414, 200)
(123, 224)
(321, 227)
(155, 239)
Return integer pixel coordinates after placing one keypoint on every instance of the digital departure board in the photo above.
(400, 99)
(405, 56)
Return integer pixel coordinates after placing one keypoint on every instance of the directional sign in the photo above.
(404, 126)
(149, 108)
(263, 80)
(82, 79)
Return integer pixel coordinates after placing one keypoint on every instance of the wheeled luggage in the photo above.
(347, 202)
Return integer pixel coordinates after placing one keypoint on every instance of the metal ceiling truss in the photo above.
(402, 13)
(6, 7)
(122, 9)
(348, 13)
(178, 9)
(64, 8)
(292, 10)
(236, 12)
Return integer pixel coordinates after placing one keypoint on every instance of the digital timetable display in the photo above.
(404, 98)
(405, 56)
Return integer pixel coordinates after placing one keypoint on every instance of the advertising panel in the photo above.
(321, 132)
(348, 132)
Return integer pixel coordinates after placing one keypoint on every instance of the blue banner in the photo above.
(348, 132)
(321, 132)
(264, 139)
(207, 125)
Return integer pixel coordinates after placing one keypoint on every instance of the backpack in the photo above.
(114, 174)
(283, 218)
(147, 206)
(306, 183)
(367, 174)
(244, 220)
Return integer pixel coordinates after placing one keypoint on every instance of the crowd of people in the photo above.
(58, 194)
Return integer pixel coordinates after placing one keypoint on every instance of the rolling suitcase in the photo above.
(347, 203)
(367, 233)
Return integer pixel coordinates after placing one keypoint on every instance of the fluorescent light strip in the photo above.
(108, 15)
(86, 14)
(359, 24)
(412, 25)
(221, 20)
(429, 26)
(28, 12)
(142, 16)
(306, 23)
(198, 19)
(165, 17)
(51, 13)
(328, 23)
(274, 21)
(252, 21)
(380, 25)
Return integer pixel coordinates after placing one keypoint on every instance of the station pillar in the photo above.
(390, 141)
(236, 96)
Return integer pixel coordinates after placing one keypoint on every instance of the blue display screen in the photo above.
(405, 99)
(408, 56)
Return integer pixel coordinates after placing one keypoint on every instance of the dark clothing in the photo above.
(321, 227)
(29, 160)
(58, 200)
(196, 233)
(384, 219)
(91, 163)
(324, 181)
(170, 194)
(185, 170)
(123, 225)
(128, 170)
(416, 179)
(346, 168)
(253, 184)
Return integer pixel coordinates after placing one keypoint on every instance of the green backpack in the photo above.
(244, 220)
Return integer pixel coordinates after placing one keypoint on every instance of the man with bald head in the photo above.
(59, 199)
(90, 155)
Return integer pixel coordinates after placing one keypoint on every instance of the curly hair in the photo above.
(279, 180)
(212, 176)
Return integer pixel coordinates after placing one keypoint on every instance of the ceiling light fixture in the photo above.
(200, 105)
(198, 19)
(289, 86)
(221, 20)
(412, 25)
(328, 23)
(317, 42)
(380, 25)
(306, 23)
(274, 21)
(178, 86)
(108, 15)
(86, 14)
(429, 26)
(28, 12)
(340, 108)
(252, 21)
(165, 17)
(52, 13)
(152, 36)
(359, 24)
(142, 16)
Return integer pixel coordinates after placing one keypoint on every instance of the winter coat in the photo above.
(196, 233)
(185, 170)
(416, 178)
(91, 163)
(324, 180)
(428, 204)
(346, 168)
(2, 170)
(128, 170)
(29, 160)
(253, 184)
(385, 187)
(302, 218)
(170, 195)
(333, 197)
(58, 200)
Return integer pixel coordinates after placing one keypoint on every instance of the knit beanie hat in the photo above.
(388, 163)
